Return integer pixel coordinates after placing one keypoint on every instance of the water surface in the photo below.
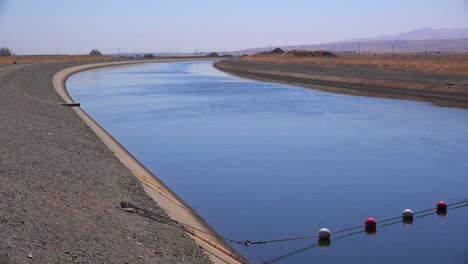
(262, 161)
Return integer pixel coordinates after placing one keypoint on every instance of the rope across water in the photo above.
(257, 242)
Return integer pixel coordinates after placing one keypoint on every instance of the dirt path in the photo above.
(4, 70)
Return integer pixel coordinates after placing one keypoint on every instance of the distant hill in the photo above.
(434, 41)
(424, 33)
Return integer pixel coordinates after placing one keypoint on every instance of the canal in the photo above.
(263, 161)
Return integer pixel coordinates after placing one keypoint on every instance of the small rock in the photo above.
(140, 256)
(30, 255)
(130, 210)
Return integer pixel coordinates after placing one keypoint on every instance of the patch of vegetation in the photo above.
(95, 52)
(5, 52)
(309, 53)
(277, 51)
(176, 252)
(148, 55)
(212, 54)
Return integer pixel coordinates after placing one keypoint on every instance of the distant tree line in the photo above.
(213, 54)
(95, 52)
(5, 52)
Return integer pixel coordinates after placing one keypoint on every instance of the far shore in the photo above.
(29, 59)
(364, 80)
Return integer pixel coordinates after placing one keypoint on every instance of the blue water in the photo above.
(262, 161)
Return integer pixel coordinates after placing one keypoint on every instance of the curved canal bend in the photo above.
(262, 161)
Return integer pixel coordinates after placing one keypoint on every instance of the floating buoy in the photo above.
(407, 221)
(441, 212)
(407, 214)
(324, 233)
(370, 230)
(371, 222)
(324, 243)
(441, 205)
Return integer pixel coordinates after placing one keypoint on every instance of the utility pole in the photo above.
(302, 47)
(359, 48)
(392, 49)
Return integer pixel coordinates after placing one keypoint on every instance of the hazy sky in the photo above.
(62, 26)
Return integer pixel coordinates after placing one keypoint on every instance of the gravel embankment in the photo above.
(363, 80)
(61, 186)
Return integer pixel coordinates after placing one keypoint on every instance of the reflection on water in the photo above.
(262, 161)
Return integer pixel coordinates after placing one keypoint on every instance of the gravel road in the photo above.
(61, 186)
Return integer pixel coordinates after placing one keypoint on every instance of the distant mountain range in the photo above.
(424, 33)
(433, 41)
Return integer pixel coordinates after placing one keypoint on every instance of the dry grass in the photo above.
(443, 64)
(50, 58)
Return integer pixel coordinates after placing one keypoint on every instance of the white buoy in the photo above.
(324, 233)
(407, 213)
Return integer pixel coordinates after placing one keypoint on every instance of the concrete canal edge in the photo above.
(199, 230)
(440, 93)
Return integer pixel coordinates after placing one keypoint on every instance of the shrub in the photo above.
(212, 54)
(307, 53)
(148, 55)
(95, 52)
(5, 52)
(277, 51)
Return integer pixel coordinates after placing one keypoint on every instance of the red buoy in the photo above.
(371, 222)
(441, 205)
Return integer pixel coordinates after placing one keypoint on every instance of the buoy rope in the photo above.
(190, 229)
(346, 229)
(249, 242)
(298, 251)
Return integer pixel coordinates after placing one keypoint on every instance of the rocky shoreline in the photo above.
(61, 187)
